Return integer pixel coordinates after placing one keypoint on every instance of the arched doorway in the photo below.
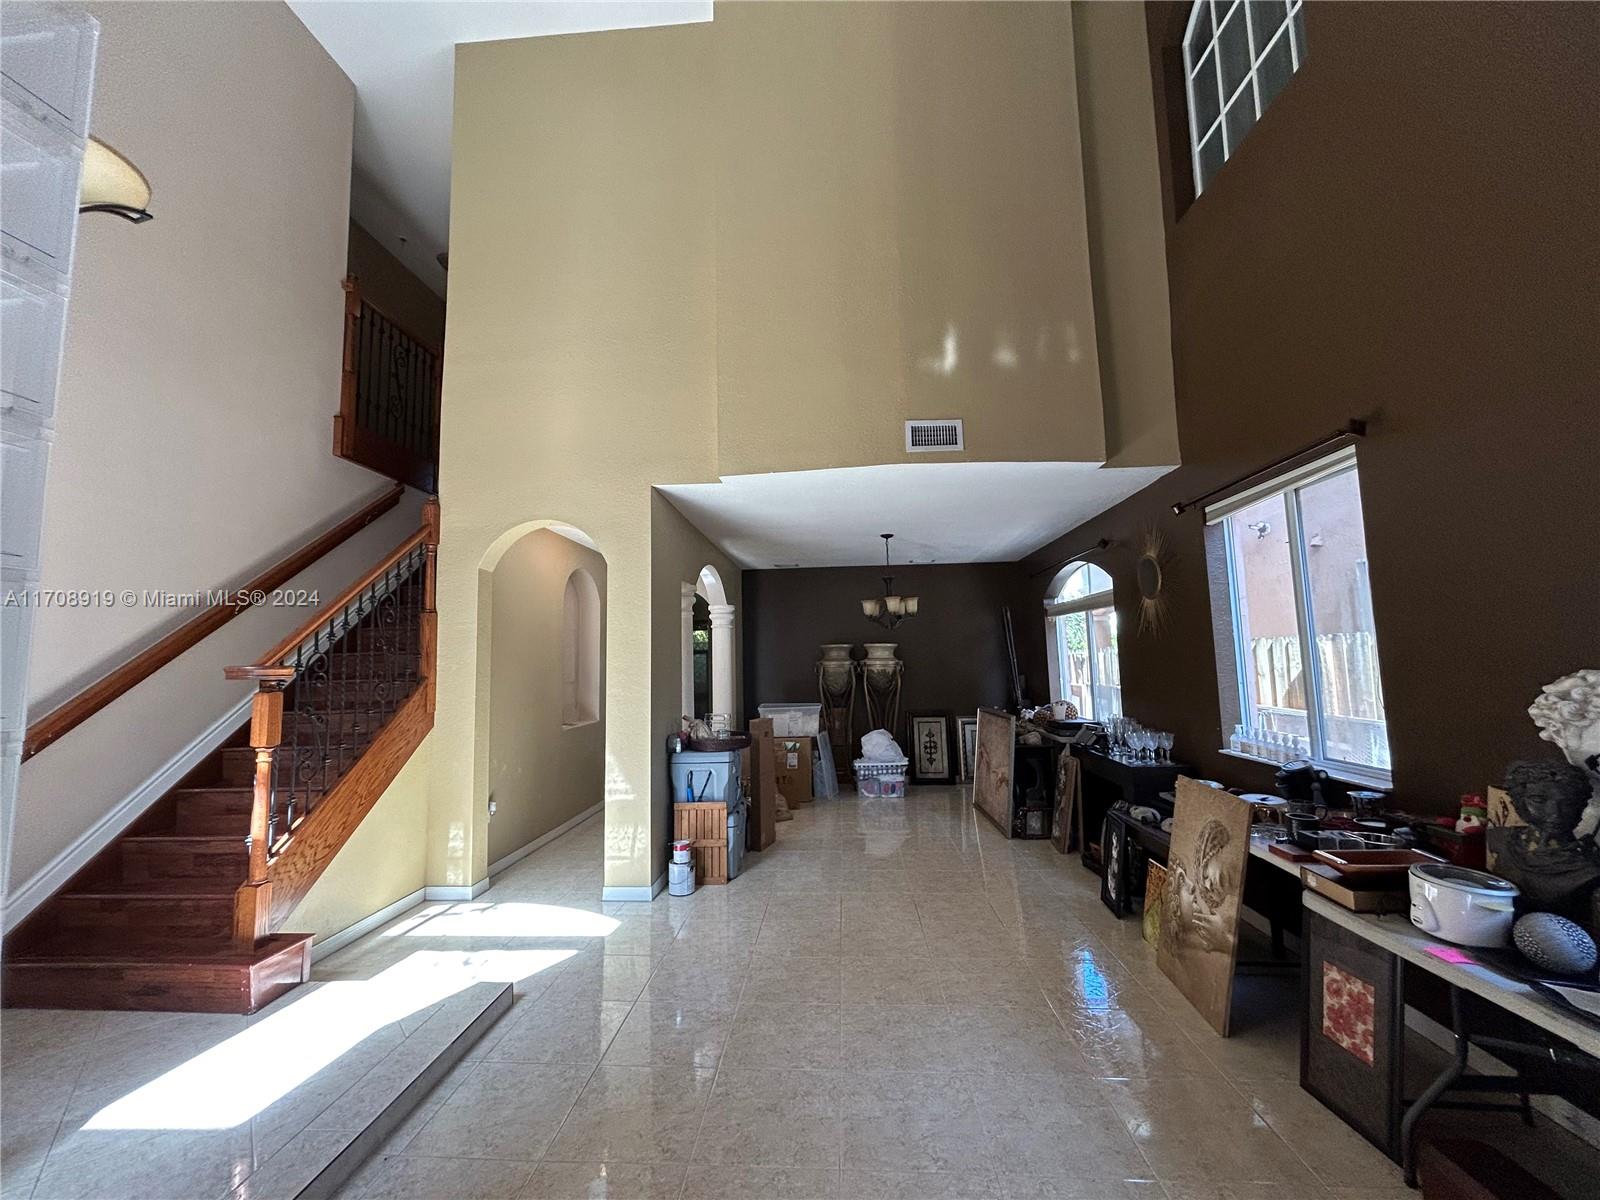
(540, 764)
(713, 658)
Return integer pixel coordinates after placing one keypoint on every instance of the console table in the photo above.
(1355, 1068)
(1107, 779)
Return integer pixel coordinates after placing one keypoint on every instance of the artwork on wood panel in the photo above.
(967, 745)
(1155, 882)
(991, 774)
(1348, 1011)
(1066, 815)
(1114, 870)
(930, 748)
(1205, 888)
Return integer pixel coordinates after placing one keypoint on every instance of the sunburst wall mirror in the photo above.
(1150, 572)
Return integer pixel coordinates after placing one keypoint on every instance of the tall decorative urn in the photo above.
(881, 677)
(836, 684)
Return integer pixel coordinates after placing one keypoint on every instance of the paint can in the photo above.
(680, 851)
(680, 879)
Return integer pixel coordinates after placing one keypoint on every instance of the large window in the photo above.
(1237, 55)
(1081, 624)
(1300, 621)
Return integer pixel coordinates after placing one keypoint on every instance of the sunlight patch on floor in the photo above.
(507, 919)
(230, 1083)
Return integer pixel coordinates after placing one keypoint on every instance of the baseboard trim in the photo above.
(323, 947)
(516, 856)
(50, 878)
(442, 892)
(635, 895)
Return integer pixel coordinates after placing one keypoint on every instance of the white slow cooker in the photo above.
(1469, 908)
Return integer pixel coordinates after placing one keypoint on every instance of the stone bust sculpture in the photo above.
(1567, 713)
(1556, 870)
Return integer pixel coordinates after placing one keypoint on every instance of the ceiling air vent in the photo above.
(927, 437)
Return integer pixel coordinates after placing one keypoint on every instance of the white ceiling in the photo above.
(938, 512)
(400, 54)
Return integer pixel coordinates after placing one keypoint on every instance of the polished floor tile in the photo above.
(636, 1115)
(603, 1181)
(564, 1029)
(413, 1177)
(668, 1034)
(772, 1118)
(892, 1003)
(502, 1110)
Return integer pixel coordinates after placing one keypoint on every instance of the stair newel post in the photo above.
(428, 626)
(252, 906)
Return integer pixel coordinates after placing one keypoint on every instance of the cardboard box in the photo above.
(794, 768)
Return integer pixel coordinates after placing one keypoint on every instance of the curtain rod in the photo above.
(1100, 545)
(1354, 428)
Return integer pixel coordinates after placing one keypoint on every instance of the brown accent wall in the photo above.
(1409, 234)
(954, 649)
(387, 282)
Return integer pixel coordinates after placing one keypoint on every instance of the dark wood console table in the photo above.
(1107, 780)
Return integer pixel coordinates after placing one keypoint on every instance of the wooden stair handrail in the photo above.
(272, 889)
(69, 715)
(270, 665)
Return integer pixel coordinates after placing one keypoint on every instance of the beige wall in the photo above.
(384, 860)
(900, 233)
(579, 368)
(1127, 233)
(542, 773)
(199, 384)
(387, 283)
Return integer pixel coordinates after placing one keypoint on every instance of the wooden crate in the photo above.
(706, 825)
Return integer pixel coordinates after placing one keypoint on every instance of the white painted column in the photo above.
(687, 641)
(722, 659)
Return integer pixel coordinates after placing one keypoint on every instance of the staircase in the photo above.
(183, 911)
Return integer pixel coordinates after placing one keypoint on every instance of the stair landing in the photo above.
(84, 970)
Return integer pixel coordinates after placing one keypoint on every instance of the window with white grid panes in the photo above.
(1237, 56)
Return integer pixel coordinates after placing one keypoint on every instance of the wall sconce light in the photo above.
(112, 184)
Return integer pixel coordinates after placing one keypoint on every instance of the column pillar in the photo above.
(686, 642)
(722, 674)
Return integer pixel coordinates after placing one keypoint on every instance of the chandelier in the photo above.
(888, 609)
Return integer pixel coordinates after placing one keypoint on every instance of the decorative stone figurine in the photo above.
(1567, 713)
(1554, 870)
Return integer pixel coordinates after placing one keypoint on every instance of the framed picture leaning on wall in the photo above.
(966, 746)
(930, 748)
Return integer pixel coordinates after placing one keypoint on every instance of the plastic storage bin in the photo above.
(793, 720)
(879, 778)
(713, 775)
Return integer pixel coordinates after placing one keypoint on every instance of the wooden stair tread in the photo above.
(161, 889)
(81, 951)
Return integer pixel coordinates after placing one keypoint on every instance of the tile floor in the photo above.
(892, 1002)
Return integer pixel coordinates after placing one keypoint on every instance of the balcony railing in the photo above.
(388, 416)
